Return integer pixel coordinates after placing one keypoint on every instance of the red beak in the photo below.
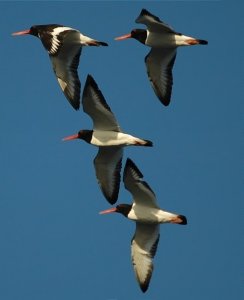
(22, 32)
(108, 211)
(123, 37)
(71, 137)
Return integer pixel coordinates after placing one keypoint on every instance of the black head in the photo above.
(34, 30)
(85, 135)
(38, 30)
(123, 209)
(139, 34)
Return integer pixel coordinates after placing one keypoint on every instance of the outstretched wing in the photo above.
(140, 190)
(95, 105)
(143, 249)
(152, 22)
(108, 164)
(65, 59)
(159, 63)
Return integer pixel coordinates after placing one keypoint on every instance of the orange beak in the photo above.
(108, 211)
(123, 37)
(22, 32)
(71, 137)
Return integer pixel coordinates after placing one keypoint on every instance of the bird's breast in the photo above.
(110, 138)
(149, 215)
(160, 40)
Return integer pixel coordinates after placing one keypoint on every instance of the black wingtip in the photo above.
(132, 165)
(111, 200)
(75, 103)
(183, 220)
(144, 12)
(165, 102)
(144, 287)
(90, 81)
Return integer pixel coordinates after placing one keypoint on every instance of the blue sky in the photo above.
(54, 244)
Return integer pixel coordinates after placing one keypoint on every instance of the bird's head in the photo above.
(138, 34)
(123, 209)
(85, 135)
(37, 30)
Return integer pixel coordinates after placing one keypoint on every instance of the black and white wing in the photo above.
(108, 164)
(95, 105)
(65, 57)
(159, 63)
(140, 190)
(153, 23)
(143, 249)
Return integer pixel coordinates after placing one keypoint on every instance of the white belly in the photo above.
(159, 40)
(112, 138)
(149, 215)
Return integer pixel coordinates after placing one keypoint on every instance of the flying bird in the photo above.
(147, 215)
(108, 137)
(163, 41)
(64, 45)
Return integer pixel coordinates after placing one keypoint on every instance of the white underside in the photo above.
(150, 215)
(112, 138)
(159, 40)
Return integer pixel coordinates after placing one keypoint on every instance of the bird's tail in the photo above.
(96, 43)
(179, 219)
(148, 143)
(140, 142)
(183, 220)
(192, 41)
(102, 44)
(202, 42)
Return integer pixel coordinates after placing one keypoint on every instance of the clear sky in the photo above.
(53, 243)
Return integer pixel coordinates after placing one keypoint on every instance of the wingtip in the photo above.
(76, 106)
(130, 164)
(142, 13)
(145, 12)
(165, 102)
(89, 78)
(90, 81)
(111, 198)
(144, 287)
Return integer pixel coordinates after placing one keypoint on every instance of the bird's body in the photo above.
(102, 138)
(148, 216)
(64, 46)
(163, 41)
(108, 137)
(152, 216)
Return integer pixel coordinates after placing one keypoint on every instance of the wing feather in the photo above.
(95, 105)
(152, 22)
(140, 190)
(65, 66)
(159, 63)
(143, 249)
(107, 165)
